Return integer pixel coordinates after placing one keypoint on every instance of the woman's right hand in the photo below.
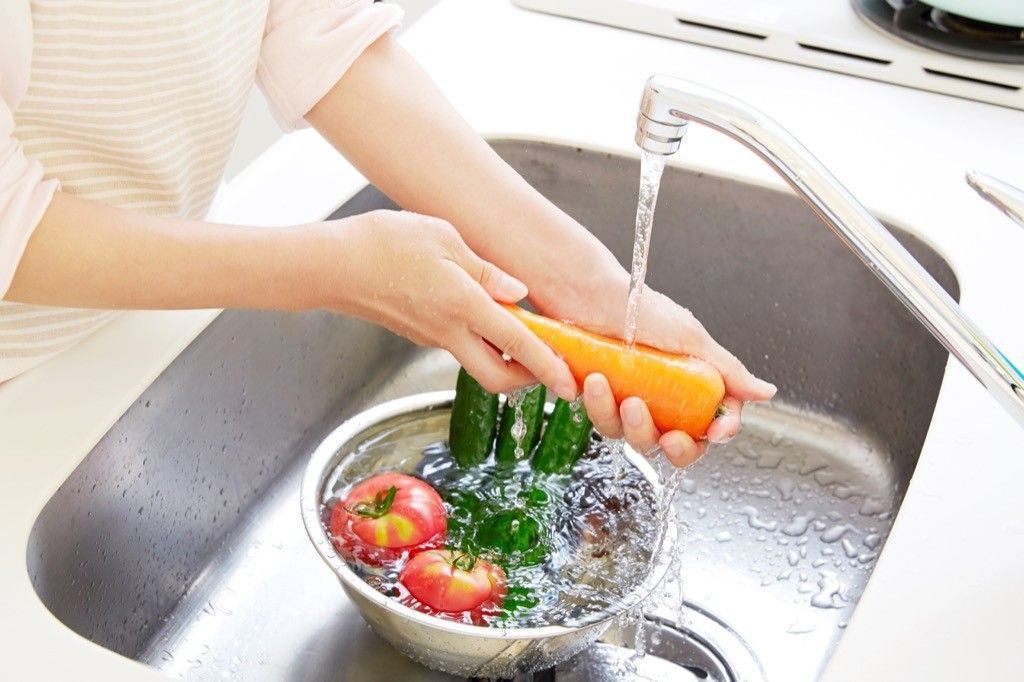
(416, 276)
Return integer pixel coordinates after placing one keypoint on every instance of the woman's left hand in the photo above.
(666, 325)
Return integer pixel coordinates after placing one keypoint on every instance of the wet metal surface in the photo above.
(178, 540)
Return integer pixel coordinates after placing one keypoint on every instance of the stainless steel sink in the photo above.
(178, 540)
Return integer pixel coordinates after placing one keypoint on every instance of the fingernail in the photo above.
(672, 445)
(633, 414)
(765, 386)
(511, 288)
(720, 439)
(566, 390)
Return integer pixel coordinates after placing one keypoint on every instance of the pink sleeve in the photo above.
(24, 195)
(308, 45)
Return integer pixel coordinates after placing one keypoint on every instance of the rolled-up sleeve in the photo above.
(309, 44)
(24, 194)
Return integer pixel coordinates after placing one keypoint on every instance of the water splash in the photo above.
(594, 545)
(576, 407)
(515, 399)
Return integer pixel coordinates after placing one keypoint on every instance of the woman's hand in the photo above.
(451, 172)
(416, 276)
(670, 327)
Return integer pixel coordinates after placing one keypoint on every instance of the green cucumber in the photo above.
(533, 420)
(518, 538)
(474, 421)
(565, 439)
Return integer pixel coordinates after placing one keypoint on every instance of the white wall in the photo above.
(258, 128)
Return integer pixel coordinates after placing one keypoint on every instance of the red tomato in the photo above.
(392, 511)
(454, 582)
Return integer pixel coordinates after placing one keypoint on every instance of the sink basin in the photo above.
(178, 540)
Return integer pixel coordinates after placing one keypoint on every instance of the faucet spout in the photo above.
(669, 104)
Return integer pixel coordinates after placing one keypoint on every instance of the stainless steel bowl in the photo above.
(456, 648)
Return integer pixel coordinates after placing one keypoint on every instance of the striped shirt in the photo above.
(137, 105)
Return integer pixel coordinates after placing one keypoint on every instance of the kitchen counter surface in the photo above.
(944, 601)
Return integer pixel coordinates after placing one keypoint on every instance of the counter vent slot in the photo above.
(841, 53)
(721, 29)
(979, 81)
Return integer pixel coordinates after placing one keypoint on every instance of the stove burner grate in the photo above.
(924, 25)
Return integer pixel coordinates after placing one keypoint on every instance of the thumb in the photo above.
(500, 285)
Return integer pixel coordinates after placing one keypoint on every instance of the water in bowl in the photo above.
(584, 541)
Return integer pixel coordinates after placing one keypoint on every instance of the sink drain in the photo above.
(701, 649)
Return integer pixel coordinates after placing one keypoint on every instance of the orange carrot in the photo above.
(681, 392)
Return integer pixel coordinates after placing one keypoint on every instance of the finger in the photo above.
(675, 329)
(739, 381)
(498, 284)
(510, 336)
(638, 426)
(680, 449)
(601, 407)
(725, 426)
(485, 365)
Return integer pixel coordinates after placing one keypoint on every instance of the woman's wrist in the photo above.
(319, 271)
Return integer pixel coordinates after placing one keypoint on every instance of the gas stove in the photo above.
(915, 45)
(937, 29)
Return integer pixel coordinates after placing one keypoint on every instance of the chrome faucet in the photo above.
(1003, 196)
(669, 104)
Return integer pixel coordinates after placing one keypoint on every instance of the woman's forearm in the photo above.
(390, 120)
(373, 266)
(88, 255)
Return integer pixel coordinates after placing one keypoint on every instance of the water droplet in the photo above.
(754, 521)
(872, 540)
(828, 591)
(833, 533)
(872, 506)
(786, 486)
(798, 526)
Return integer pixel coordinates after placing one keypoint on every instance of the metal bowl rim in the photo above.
(314, 478)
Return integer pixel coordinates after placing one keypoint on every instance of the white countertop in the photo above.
(945, 600)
